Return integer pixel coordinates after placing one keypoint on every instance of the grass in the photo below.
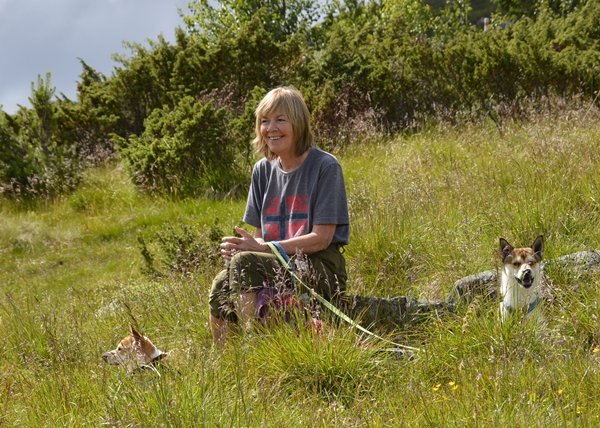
(426, 210)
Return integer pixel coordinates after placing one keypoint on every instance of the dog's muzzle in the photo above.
(526, 280)
(111, 358)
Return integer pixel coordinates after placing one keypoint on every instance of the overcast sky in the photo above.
(39, 36)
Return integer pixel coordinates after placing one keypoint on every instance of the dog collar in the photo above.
(157, 355)
(530, 308)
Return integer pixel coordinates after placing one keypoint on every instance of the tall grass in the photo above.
(426, 210)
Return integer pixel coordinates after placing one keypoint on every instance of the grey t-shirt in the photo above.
(288, 204)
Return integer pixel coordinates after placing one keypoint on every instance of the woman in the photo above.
(298, 199)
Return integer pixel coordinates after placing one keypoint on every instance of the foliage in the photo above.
(182, 251)
(14, 160)
(516, 9)
(281, 18)
(182, 150)
(93, 117)
(38, 156)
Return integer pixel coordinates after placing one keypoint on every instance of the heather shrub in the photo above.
(345, 117)
(181, 250)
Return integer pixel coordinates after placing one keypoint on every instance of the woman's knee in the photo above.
(249, 270)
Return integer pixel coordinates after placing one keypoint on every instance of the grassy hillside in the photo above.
(426, 210)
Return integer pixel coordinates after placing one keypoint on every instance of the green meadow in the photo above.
(426, 210)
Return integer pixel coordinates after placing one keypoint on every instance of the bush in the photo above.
(38, 157)
(181, 251)
(15, 159)
(183, 151)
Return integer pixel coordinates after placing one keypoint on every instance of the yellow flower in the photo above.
(435, 388)
(596, 350)
(560, 391)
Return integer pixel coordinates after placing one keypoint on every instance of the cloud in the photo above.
(40, 36)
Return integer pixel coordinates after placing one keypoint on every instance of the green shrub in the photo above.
(181, 251)
(38, 156)
(183, 151)
(15, 159)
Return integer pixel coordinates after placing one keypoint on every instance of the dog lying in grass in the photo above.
(134, 351)
(520, 289)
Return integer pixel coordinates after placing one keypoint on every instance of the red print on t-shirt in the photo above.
(272, 207)
(298, 203)
(286, 219)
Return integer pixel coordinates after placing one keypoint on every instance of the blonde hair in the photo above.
(288, 101)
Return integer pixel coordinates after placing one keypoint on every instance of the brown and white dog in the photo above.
(520, 289)
(134, 351)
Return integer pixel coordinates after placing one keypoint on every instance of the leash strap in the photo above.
(282, 254)
(283, 258)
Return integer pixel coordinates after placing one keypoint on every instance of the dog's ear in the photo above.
(505, 249)
(136, 335)
(538, 246)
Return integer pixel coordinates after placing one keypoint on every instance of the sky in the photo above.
(40, 36)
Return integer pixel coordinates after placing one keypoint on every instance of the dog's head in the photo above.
(134, 351)
(523, 264)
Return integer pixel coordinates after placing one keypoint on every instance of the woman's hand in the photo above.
(233, 244)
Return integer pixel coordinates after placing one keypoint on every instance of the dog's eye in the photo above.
(119, 348)
(516, 264)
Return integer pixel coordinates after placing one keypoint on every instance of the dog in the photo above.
(520, 289)
(134, 351)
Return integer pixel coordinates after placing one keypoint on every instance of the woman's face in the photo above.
(278, 132)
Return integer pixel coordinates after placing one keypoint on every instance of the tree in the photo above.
(281, 18)
(41, 100)
(515, 9)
